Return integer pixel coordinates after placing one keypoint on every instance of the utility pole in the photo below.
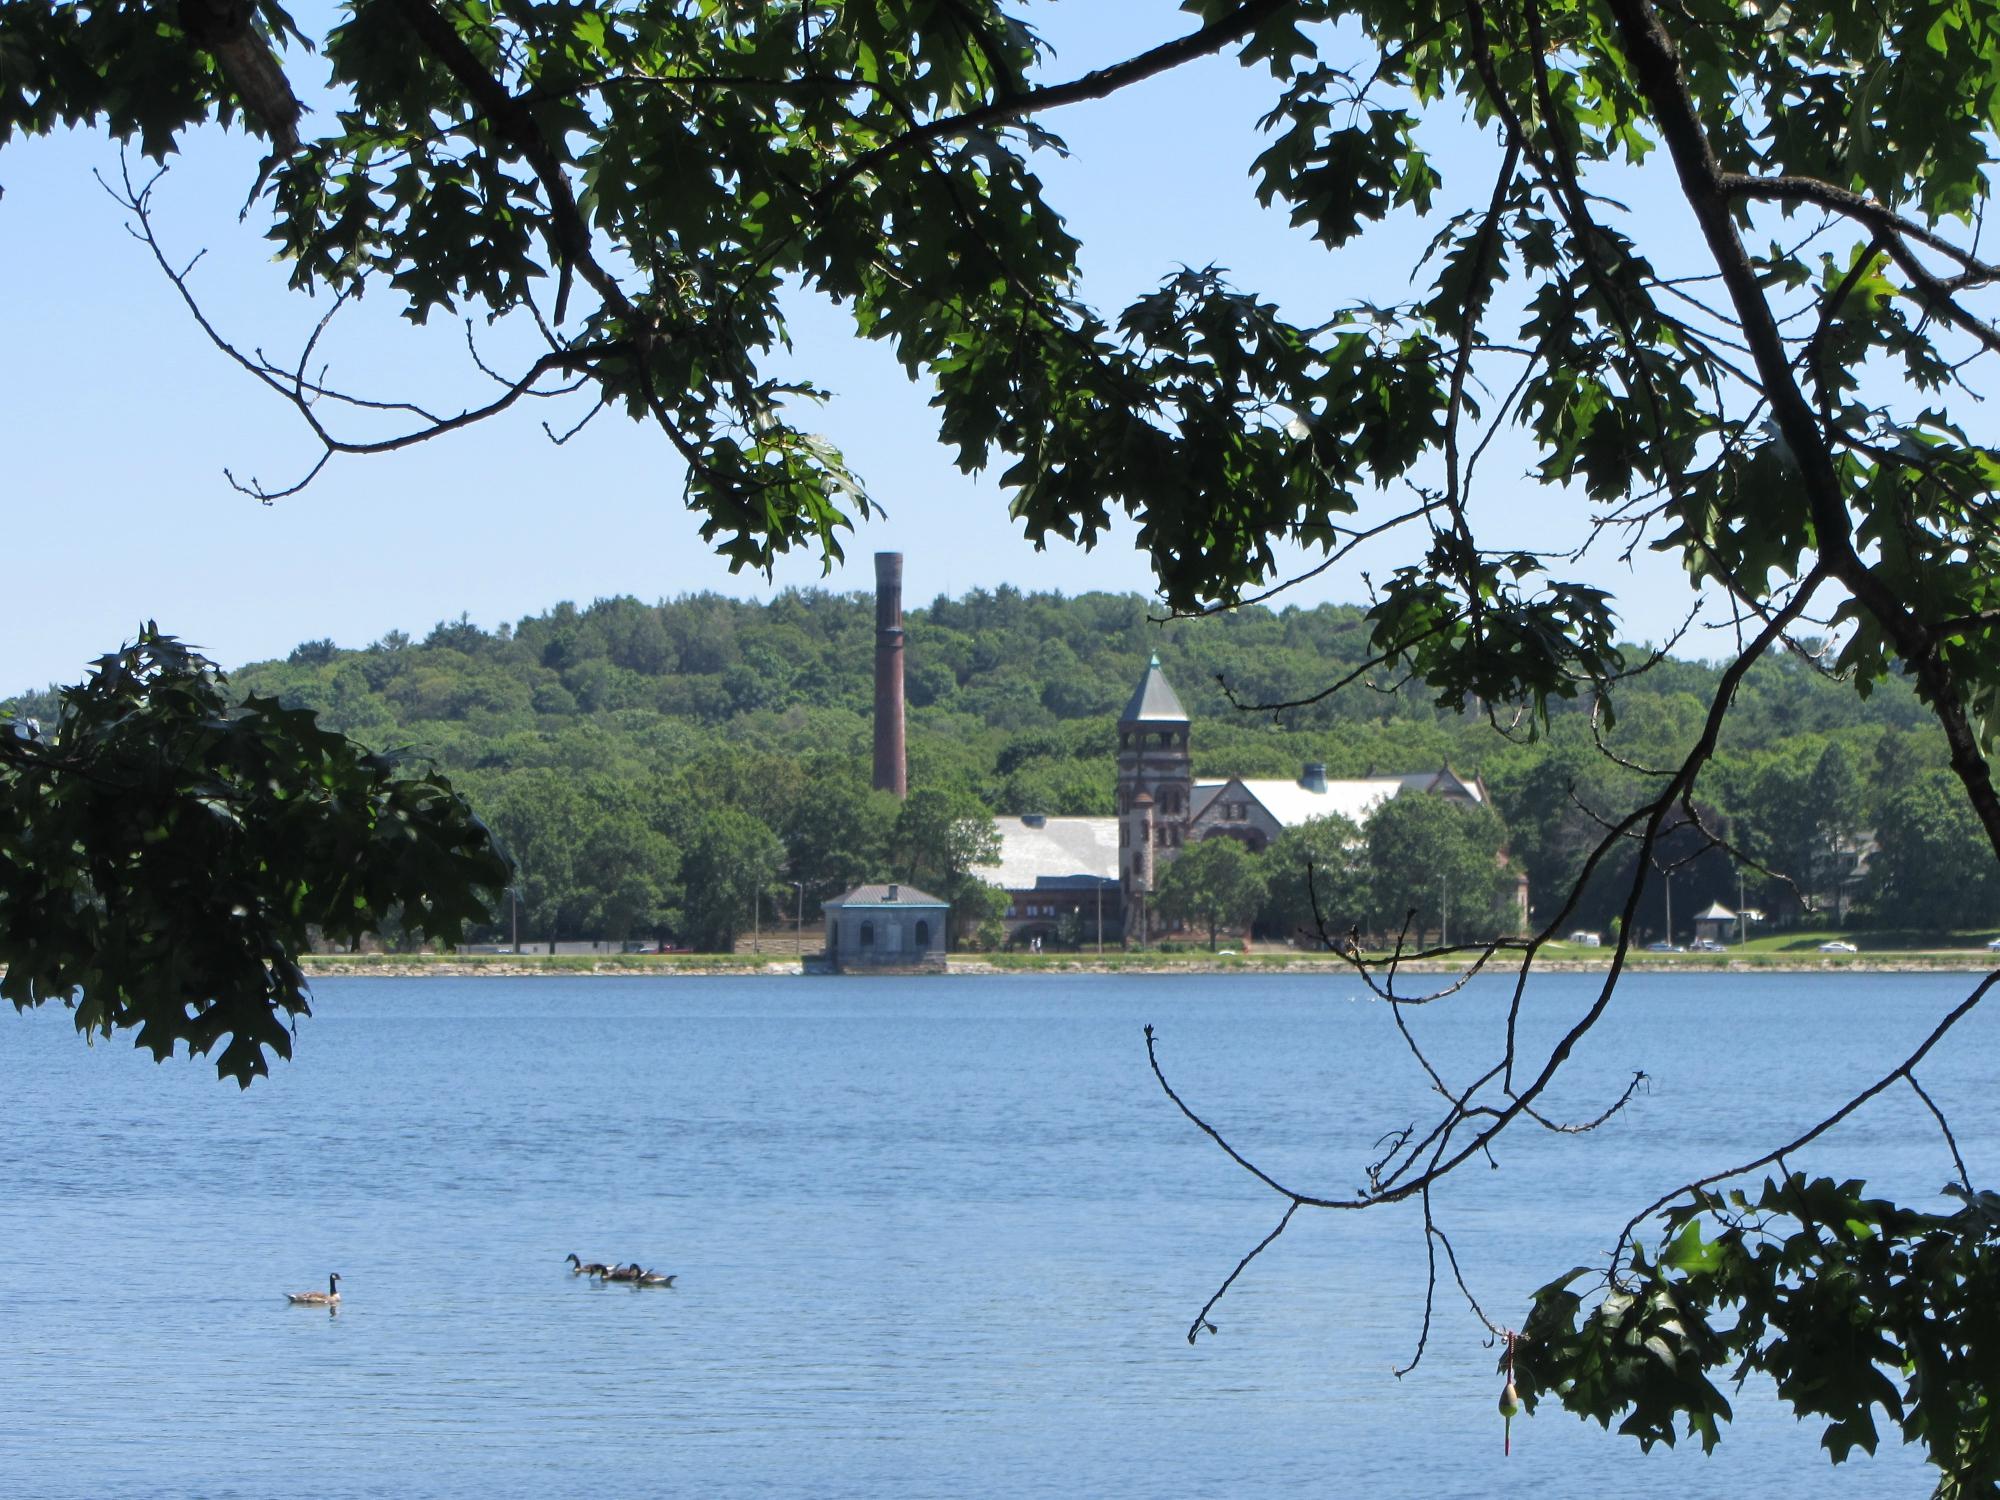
(1667, 881)
(756, 912)
(1100, 919)
(1444, 913)
(799, 926)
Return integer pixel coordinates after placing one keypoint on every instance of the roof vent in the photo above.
(1313, 777)
(1035, 820)
(893, 891)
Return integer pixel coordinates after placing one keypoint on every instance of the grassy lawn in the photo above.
(1887, 940)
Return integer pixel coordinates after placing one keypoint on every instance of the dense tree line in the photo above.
(656, 770)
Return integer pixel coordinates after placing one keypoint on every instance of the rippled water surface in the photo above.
(934, 1237)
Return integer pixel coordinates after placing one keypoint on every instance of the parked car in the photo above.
(1663, 946)
(1994, 946)
(1584, 939)
(1707, 945)
(1836, 946)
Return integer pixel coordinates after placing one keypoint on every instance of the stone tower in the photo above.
(1155, 788)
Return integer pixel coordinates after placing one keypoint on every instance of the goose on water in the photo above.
(586, 1267)
(654, 1278)
(623, 1273)
(328, 1298)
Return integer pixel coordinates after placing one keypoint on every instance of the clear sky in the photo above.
(119, 417)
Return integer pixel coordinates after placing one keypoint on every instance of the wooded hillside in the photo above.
(631, 754)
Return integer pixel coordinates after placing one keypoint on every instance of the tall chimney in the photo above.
(891, 774)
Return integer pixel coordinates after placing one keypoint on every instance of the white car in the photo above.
(1838, 947)
(1994, 946)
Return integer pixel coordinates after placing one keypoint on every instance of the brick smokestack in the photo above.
(891, 773)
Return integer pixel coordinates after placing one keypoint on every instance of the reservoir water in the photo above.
(934, 1237)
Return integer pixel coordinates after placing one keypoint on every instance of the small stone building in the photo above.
(885, 927)
(1716, 925)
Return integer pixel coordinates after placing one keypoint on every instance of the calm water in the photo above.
(934, 1238)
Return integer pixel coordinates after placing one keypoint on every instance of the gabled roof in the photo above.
(881, 895)
(1444, 782)
(1716, 912)
(1153, 701)
(1292, 804)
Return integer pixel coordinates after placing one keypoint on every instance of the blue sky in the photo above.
(120, 417)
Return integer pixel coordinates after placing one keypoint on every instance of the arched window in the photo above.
(867, 934)
(923, 934)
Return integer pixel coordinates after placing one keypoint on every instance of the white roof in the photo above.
(1059, 847)
(1292, 804)
(1716, 912)
(1356, 800)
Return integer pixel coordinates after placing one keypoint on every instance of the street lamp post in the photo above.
(799, 925)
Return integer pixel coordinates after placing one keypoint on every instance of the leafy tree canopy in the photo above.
(1434, 864)
(1318, 878)
(164, 856)
(1214, 884)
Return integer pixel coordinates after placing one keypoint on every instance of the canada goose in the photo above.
(586, 1267)
(654, 1278)
(623, 1273)
(328, 1298)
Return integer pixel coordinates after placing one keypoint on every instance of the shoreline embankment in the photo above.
(631, 966)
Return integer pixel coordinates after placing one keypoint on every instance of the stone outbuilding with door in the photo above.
(885, 927)
(1716, 925)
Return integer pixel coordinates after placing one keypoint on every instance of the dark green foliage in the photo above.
(1852, 1305)
(1932, 866)
(165, 855)
(1436, 866)
(839, 832)
(1317, 874)
(729, 871)
(1212, 885)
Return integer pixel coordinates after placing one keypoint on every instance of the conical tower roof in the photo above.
(1153, 701)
